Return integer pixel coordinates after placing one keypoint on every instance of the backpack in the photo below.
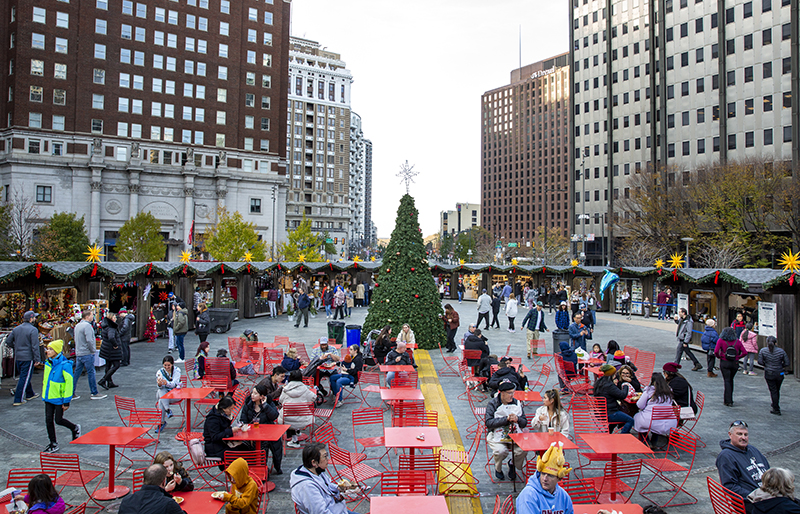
(730, 353)
(198, 452)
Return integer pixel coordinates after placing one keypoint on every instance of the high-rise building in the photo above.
(113, 108)
(673, 85)
(525, 162)
(318, 142)
(360, 159)
(464, 217)
(370, 237)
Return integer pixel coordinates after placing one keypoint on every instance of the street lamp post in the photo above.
(548, 190)
(687, 240)
(274, 198)
(583, 216)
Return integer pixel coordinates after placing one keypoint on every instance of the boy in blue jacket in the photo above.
(542, 493)
(57, 388)
(709, 342)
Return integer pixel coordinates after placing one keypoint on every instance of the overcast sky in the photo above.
(419, 69)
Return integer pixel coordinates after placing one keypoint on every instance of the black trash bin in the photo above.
(558, 336)
(353, 335)
(221, 319)
(336, 331)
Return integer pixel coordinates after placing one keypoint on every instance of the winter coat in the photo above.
(722, 347)
(55, 507)
(681, 391)
(383, 345)
(512, 308)
(243, 498)
(642, 419)
(605, 388)
(290, 364)
(495, 421)
(316, 493)
(774, 362)
(684, 331)
(533, 499)
(454, 321)
(24, 339)
(354, 367)
(562, 319)
(150, 499)
(304, 302)
(202, 325)
(474, 342)
(126, 328)
(406, 337)
(531, 317)
(738, 326)
(740, 470)
(405, 358)
(484, 303)
(267, 414)
(578, 339)
(296, 392)
(180, 325)
(111, 347)
(763, 503)
(496, 305)
(749, 339)
(173, 381)
(57, 384)
(273, 390)
(215, 429)
(560, 422)
(272, 295)
(507, 373)
(709, 338)
(569, 355)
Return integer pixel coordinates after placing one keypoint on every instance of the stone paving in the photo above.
(23, 432)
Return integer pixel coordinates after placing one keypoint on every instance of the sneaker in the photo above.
(179, 361)
(512, 472)
(51, 448)
(338, 404)
(17, 404)
(170, 350)
(293, 444)
(744, 372)
(776, 412)
(98, 396)
(37, 395)
(76, 397)
(77, 432)
(752, 373)
(499, 475)
(169, 413)
(161, 427)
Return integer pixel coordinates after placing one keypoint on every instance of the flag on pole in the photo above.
(191, 234)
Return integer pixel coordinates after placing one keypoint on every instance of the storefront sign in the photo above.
(683, 302)
(767, 319)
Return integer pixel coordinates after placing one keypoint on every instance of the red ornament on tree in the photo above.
(416, 296)
(412, 269)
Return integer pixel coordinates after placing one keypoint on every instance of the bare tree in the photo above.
(23, 219)
(731, 253)
(633, 252)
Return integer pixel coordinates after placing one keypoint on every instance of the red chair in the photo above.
(138, 479)
(428, 418)
(124, 407)
(19, 478)
(262, 492)
(689, 426)
(588, 418)
(450, 368)
(324, 434)
(684, 445)
(369, 417)
(403, 483)
(405, 410)
(146, 444)
(580, 490)
(323, 414)
(80, 509)
(208, 471)
(617, 479)
(66, 468)
(188, 365)
(428, 463)
(456, 477)
(239, 397)
(576, 383)
(292, 413)
(356, 472)
(256, 461)
(508, 505)
(661, 413)
(723, 500)
(541, 381)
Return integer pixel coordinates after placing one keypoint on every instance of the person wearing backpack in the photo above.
(729, 350)
(180, 326)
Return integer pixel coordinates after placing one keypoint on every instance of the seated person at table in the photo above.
(597, 352)
(620, 359)
(250, 335)
(505, 371)
(607, 387)
(291, 361)
(296, 392)
(222, 353)
(776, 494)
(177, 477)
(167, 378)
(383, 345)
(313, 490)
(348, 372)
(273, 384)
(243, 498)
(542, 492)
(627, 379)
(151, 498)
(258, 408)
(42, 497)
(200, 359)
(218, 426)
(551, 414)
(681, 390)
(406, 335)
(657, 394)
(397, 357)
(323, 355)
(570, 359)
(504, 416)
(476, 341)
(741, 466)
(611, 349)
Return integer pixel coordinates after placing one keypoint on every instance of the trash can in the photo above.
(336, 331)
(353, 335)
(558, 336)
(221, 319)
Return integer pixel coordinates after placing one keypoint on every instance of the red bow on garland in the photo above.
(38, 272)
(149, 268)
(222, 268)
(94, 270)
(716, 276)
(248, 267)
(675, 275)
(791, 279)
(184, 268)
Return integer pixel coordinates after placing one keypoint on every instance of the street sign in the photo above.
(329, 240)
(590, 237)
(512, 245)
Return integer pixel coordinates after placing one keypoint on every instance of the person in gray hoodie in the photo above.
(313, 489)
(24, 339)
(85, 348)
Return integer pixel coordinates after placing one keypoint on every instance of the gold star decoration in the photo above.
(248, 256)
(676, 260)
(301, 257)
(94, 253)
(461, 261)
(574, 263)
(659, 263)
(790, 261)
(372, 258)
(185, 256)
(514, 262)
(356, 259)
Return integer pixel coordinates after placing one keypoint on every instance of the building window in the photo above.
(35, 119)
(39, 15)
(44, 194)
(37, 41)
(99, 51)
(787, 134)
(60, 71)
(60, 97)
(97, 126)
(58, 122)
(37, 67)
(36, 94)
(34, 145)
(255, 206)
(249, 122)
(767, 137)
(249, 100)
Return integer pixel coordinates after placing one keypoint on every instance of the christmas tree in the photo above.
(404, 291)
(150, 332)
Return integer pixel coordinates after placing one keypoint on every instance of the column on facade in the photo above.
(94, 221)
(222, 192)
(133, 189)
(188, 206)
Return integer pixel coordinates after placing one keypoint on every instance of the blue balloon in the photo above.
(608, 280)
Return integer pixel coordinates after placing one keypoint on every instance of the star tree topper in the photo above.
(94, 253)
(407, 174)
(185, 256)
(676, 260)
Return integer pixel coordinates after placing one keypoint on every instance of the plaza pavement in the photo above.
(23, 434)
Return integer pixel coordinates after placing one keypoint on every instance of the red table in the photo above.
(540, 441)
(188, 394)
(111, 436)
(401, 394)
(406, 437)
(528, 396)
(201, 502)
(615, 444)
(406, 504)
(592, 508)
(261, 432)
(397, 368)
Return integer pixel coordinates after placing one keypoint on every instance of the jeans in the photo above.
(338, 381)
(662, 312)
(728, 369)
(327, 310)
(749, 362)
(179, 345)
(302, 313)
(25, 373)
(460, 296)
(451, 335)
(171, 338)
(272, 311)
(366, 297)
(55, 413)
(390, 378)
(711, 360)
(621, 417)
(483, 316)
(685, 350)
(85, 361)
(511, 323)
(774, 385)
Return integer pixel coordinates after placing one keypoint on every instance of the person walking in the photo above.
(484, 308)
(272, 300)
(24, 339)
(774, 360)
(684, 337)
(57, 388)
(749, 340)
(85, 348)
(661, 303)
(461, 290)
(709, 342)
(125, 331)
(180, 326)
(625, 302)
(729, 350)
(495, 311)
(338, 302)
(591, 302)
(511, 311)
(535, 325)
(202, 325)
(110, 349)
(303, 303)
(451, 323)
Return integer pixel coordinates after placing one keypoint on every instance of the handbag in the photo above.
(197, 451)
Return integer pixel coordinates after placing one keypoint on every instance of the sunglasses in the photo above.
(738, 423)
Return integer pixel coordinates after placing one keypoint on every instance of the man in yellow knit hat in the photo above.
(542, 493)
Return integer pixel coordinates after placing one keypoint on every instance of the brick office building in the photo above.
(112, 108)
(524, 152)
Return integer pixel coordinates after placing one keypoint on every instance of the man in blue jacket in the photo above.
(303, 303)
(24, 339)
(579, 332)
(740, 464)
